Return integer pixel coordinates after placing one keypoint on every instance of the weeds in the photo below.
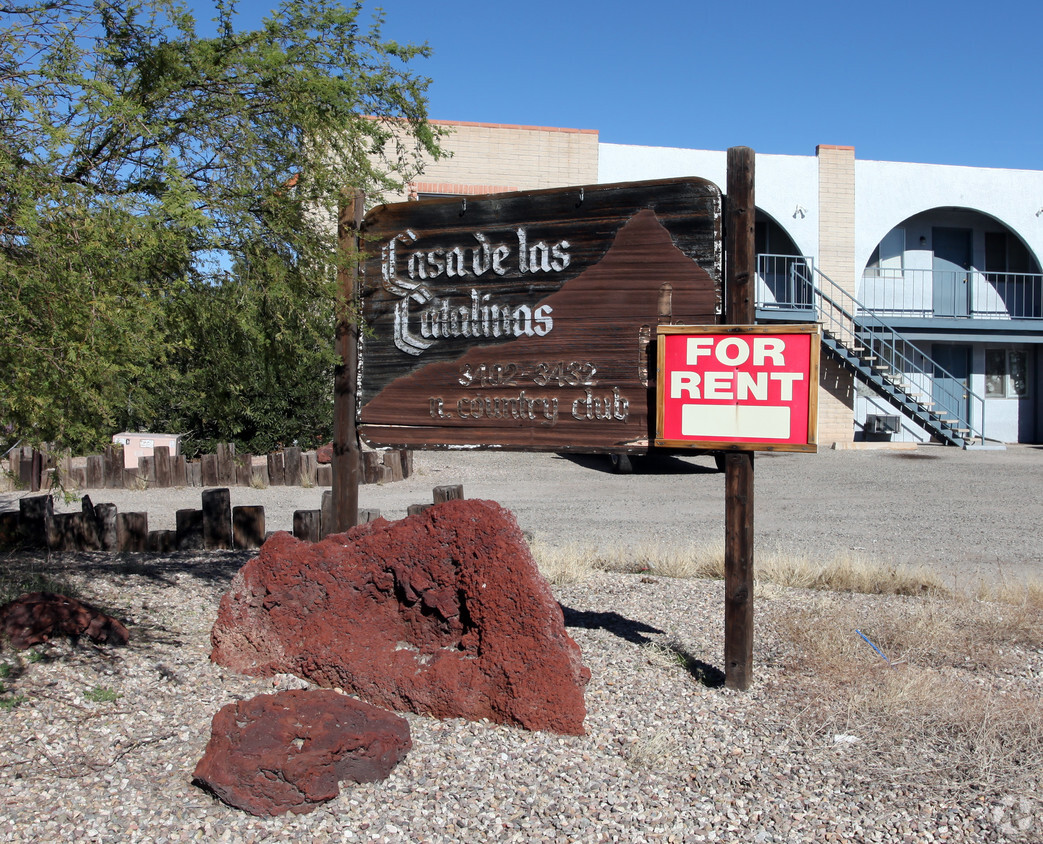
(651, 752)
(102, 694)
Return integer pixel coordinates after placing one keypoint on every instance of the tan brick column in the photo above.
(836, 214)
(836, 260)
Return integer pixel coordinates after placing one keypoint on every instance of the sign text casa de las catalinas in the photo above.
(528, 320)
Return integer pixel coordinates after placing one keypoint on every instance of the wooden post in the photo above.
(447, 492)
(161, 455)
(247, 527)
(189, 525)
(226, 464)
(291, 458)
(210, 471)
(217, 519)
(107, 533)
(740, 259)
(36, 472)
(307, 525)
(276, 469)
(132, 532)
(345, 384)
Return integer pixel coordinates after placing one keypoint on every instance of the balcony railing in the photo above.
(784, 283)
(952, 294)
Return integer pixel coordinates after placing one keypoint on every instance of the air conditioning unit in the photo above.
(878, 423)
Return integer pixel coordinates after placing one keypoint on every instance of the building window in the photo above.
(1005, 373)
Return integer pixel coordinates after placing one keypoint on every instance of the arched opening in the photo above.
(952, 263)
(783, 274)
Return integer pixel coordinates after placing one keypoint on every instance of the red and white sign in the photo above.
(750, 387)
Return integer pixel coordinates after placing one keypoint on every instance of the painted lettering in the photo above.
(607, 407)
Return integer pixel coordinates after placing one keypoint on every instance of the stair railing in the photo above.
(886, 351)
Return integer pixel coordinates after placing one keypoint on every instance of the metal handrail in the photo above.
(863, 331)
(953, 294)
(783, 282)
(870, 338)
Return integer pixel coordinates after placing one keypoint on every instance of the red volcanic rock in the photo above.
(443, 613)
(324, 453)
(288, 752)
(38, 616)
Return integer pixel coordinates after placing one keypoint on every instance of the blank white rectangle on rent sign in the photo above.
(748, 422)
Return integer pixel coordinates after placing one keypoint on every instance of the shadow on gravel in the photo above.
(913, 455)
(705, 674)
(613, 622)
(651, 464)
(210, 566)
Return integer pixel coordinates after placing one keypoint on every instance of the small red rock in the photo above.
(289, 752)
(39, 616)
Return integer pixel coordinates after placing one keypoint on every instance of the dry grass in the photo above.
(849, 573)
(953, 705)
(564, 565)
(656, 752)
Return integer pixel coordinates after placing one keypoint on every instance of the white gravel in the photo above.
(665, 757)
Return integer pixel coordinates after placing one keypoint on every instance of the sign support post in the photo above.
(345, 382)
(738, 479)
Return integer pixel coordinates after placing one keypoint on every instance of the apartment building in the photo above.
(926, 278)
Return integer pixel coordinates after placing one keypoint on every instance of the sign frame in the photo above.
(526, 321)
(810, 367)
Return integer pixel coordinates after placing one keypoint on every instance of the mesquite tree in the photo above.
(165, 205)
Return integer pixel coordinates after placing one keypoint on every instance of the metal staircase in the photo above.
(887, 363)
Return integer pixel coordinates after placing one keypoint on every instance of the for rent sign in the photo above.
(739, 387)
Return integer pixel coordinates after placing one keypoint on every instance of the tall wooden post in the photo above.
(345, 384)
(738, 478)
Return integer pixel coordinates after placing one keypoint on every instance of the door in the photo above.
(952, 277)
(952, 387)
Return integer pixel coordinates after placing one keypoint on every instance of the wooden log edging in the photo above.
(216, 526)
(28, 469)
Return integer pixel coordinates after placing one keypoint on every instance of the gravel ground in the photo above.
(665, 758)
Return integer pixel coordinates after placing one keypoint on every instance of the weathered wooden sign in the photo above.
(747, 387)
(527, 320)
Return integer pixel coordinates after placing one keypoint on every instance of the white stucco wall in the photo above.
(889, 192)
(782, 182)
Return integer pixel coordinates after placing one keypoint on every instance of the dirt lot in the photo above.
(970, 514)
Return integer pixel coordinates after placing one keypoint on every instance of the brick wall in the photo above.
(489, 158)
(836, 402)
(836, 231)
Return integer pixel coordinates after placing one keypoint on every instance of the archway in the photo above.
(783, 274)
(954, 263)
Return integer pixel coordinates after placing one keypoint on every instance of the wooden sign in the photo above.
(745, 387)
(528, 320)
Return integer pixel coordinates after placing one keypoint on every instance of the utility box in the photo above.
(881, 427)
(144, 445)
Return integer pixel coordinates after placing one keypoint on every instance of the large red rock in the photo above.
(289, 752)
(442, 613)
(39, 616)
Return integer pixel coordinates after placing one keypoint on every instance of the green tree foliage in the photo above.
(166, 253)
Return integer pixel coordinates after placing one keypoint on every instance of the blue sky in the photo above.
(941, 82)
